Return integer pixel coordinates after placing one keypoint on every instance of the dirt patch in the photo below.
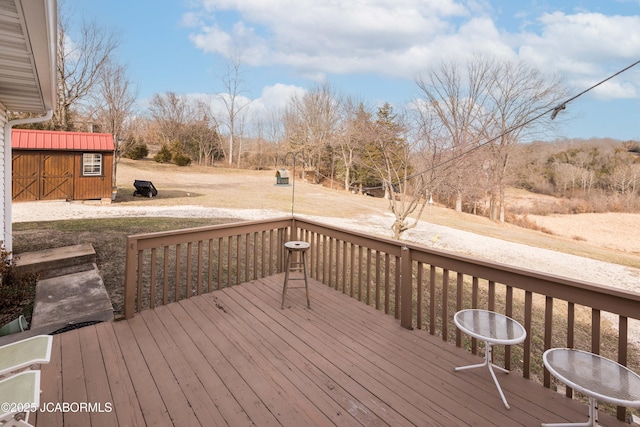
(237, 189)
(616, 231)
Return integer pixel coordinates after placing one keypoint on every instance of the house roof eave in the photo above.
(28, 55)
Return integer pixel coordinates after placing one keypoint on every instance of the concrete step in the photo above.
(56, 261)
(71, 299)
(70, 291)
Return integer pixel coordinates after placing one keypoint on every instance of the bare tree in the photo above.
(113, 105)
(390, 155)
(356, 127)
(429, 156)
(518, 93)
(171, 112)
(455, 95)
(79, 66)
(204, 135)
(270, 133)
(491, 102)
(234, 89)
(310, 125)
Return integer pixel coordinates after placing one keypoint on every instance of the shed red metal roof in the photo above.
(27, 139)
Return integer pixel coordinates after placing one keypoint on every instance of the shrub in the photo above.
(137, 152)
(17, 289)
(164, 155)
(181, 159)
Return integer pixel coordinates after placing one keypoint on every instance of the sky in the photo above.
(373, 50)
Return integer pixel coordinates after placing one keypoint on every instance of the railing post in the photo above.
(406, 289)
(130, 278)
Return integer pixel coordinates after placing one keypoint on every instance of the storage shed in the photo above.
(50, 165)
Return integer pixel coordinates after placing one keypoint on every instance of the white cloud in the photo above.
(317, 36)
(400, 38)
(212, 39)
(585, 38)
(586, 47)
(272, 100)
(277, 97)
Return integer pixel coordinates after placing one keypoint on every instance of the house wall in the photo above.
(5, 211)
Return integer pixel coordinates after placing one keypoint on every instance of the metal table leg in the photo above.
(487, 362)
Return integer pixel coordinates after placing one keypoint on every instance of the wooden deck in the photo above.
(233, 357)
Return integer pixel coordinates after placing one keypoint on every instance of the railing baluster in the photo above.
(178, 261)
(333, 263)
(492, 295)
(220, 261)
(419, 297)
(397, 286)
(509, 313)
(187, 287)
(210, 266)
(387, 287)
(528, 309)
(337, 265)
(404, 283)
(152, 280)
(368, 277)
(311, 254)
(595, 331)
(548, 334)
(344, 266)
(623, 343)
(200, 284)
(165, 273)
(445, 304)
(360, 272)
(432, 300)
(234, 263)
(474, 304)
(255, 256)
(271, 257)
(247, 259)
(378, 278)
(140, 282)
(571, 320)
(265, 252)
(326, 261)
(459, 295)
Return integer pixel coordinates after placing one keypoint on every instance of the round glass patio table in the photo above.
(494, 329)
(599, 378)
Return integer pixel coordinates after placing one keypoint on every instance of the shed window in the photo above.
(92, 164)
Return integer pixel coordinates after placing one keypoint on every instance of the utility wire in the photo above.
(554, 111)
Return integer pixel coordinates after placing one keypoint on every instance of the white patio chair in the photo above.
(19, 394)
(26, 353)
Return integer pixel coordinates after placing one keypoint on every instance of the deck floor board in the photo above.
(233, 357)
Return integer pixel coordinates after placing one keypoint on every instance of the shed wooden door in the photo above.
(57, 177)
(42, 176)
(26, 177)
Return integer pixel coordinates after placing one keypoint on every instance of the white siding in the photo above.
(4, 217)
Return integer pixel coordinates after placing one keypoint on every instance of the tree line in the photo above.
(467, 136)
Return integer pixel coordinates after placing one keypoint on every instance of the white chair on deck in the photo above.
(19, 394)
(25, 353)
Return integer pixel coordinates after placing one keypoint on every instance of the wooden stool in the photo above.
(301, 265)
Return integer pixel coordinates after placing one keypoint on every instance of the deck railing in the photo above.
(420, 286)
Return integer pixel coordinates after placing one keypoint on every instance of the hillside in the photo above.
(609, 237)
